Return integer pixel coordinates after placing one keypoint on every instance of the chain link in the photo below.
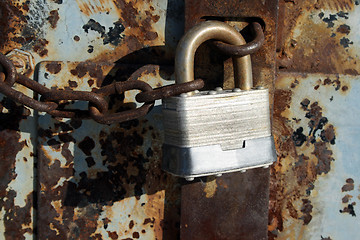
(246, 49)
(52, 100)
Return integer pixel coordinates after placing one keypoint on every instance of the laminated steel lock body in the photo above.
(214, 132)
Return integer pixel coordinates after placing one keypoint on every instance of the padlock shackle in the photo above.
(189, 43)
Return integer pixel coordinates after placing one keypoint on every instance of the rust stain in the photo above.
(305, 45)
(53, 18)
(326, 238)
(133, 31)
(210, 187)
(86, 145)
(302, 152)
(349, 186)
(346, 198)
(89, 8)
(113, 235)
(12, 21)
(17, 220)
(128, 169)
(338, 5)
(40, 47)
(53, 67)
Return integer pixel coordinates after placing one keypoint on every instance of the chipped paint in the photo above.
(210, 187)
(109, 176)
(78, 183)
(314, 123)
(319, 36)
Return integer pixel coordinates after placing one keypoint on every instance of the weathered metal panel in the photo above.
(313, 185)
(117, 189)
(17, 141)
(319, 36)
(103, 181)
(233, 206)
(17, 124)
(93, 177)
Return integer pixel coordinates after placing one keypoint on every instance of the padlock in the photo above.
(218, 131)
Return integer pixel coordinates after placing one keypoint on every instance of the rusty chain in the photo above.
(51, 100)
(248, 48)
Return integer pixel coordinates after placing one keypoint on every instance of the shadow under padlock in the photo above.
(218, 131)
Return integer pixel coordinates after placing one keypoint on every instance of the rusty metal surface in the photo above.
(104, 181)
(17, 155)
(16, 171)
(169, 91)
(233, 206)
(97, 30)
(114, 190)
(100, 182)
(314, 184)
(318, 36)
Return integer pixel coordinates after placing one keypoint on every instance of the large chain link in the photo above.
(98, 107)
(51, 100)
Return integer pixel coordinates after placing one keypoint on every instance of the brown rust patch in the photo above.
(136, 235)
(89, 8)
(113, 235)
(320, 47)
(349, 186)
(16, 220)
(303, 152)
(306, 210)
(12, 21)
(326, 238)
(53, 67)
(40, 47)
(94, 71)
(337, 5)
(53, 18)
(346, 198)
(72, 84)
(345, 29)
(90, 82)
(344, 88)
(131, 224)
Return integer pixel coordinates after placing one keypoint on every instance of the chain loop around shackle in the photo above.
(52, 101)
(246, 49)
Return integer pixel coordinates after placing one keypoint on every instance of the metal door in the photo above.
(76, 179)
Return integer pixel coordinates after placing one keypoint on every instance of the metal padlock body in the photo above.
(214, 132)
